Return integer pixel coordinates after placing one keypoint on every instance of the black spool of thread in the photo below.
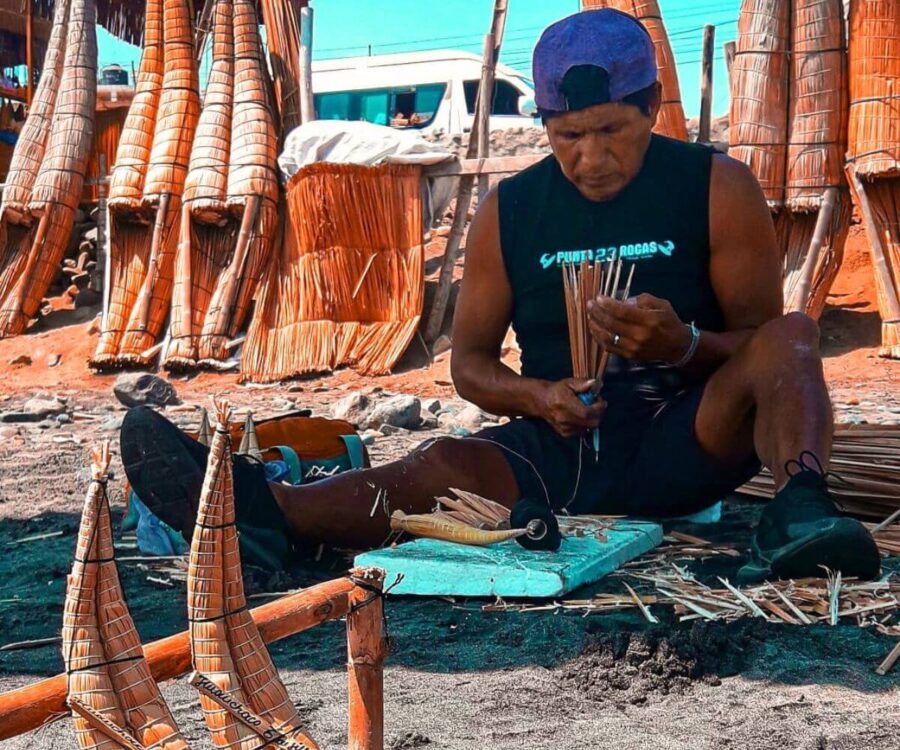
(537, 517)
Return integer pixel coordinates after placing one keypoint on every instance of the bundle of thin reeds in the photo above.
(115, 700)
(347, 286)
(759, 95)
(30, 259)
(866, 470)
(874, 148)
(234, 672)
(230, 217)
(582, 283)
(671, 120)
(283, 41)
(146, 187)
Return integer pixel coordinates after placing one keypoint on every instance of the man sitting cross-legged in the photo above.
(707, 377)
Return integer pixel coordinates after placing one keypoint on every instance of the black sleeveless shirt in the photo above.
(660, 221)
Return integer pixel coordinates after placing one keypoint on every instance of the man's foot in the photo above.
(801, 532)
(165, 468)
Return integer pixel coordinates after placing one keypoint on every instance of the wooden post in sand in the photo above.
(466, 183)
(730, 51)
(32, 706)
(307, 102)
(706, 84)
(365, 659)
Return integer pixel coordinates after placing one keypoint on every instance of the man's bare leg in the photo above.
(352, 509)
(770, 397)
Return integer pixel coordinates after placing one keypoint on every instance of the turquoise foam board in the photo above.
(431, 567)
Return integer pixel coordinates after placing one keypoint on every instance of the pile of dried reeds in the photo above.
(866, 470)
(237, 681)
(47, 171)
(874, 148)
(671, 120)
(146, 187)
(113, 695)
(789, 125)
(347, 286)
(230, 206)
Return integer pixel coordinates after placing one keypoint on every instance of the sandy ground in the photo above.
(458, 677)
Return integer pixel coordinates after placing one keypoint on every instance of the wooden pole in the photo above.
(98, 280)
(29, 49)
(706, 84)
(823, 223)
(365, 659)
(485, 105)
(203, 28)
(730, 51)
(30, 707)
(466, 184)
(307, 102)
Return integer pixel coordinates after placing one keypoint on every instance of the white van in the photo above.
(426, 91)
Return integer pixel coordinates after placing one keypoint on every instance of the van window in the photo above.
(506, 97)
(400, 106)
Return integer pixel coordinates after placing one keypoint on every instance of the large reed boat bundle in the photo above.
(671, 120)
(230, 209)
(234, 672)
(146, 187)
(347, 286)
(817, 198)
(283, 40)
(47, 171)
(115, 700)
(874, 148)
(759, 95)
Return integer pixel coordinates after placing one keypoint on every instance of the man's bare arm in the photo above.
(483, 314)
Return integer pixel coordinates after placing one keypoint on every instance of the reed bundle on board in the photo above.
(227, 651)
(146, 186)
(111, 691)
(230, 210)
(48, 167)
(347, 286)
(671, 120)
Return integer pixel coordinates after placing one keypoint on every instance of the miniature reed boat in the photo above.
(229, 217)
(47, 171)
(146, 187)
(244, 702)
(115, 700)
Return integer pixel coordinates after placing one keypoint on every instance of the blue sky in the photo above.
(407, 25)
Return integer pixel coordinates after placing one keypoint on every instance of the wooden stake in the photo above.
(485, 105)
(97, 278)
(890, 660)
(159, 226)
(706, 84)
(184, 273)
(464, 192)
(29, 50)
(365, 654)
(876, 247)
(730, 51)
(307, 102)
(31, 706)
(808, 271)
(238, 262)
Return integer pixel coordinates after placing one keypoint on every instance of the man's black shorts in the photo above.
(649, 462)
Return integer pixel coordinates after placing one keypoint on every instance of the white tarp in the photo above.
(363, 143)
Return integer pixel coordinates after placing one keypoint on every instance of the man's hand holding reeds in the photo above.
(565, 412)
(643, 328)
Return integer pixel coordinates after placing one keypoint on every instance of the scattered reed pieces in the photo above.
(866, 462)
(873, 153)
(110, 687)
(244, 701)
(146, 186)
(325, 302)
(230, 210)
(671, 121)
(759, 96)
(47, 176)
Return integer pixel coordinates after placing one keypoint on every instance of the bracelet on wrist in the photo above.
(692, 347)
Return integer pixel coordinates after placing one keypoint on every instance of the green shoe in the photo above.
(801, 533)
